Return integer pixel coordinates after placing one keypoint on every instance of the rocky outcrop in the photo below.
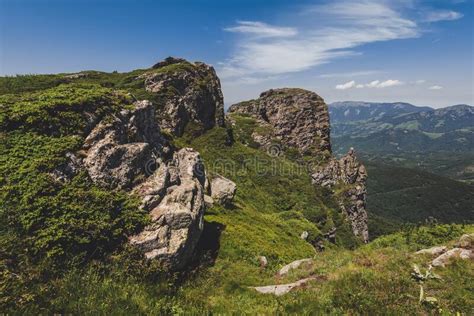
(466, 241)
(222, 190)
(128, 151)
(464, 250)
(119, 147)
(446, 257)
(175, 197)
(297, 117)
(188, 93)
(350, 176)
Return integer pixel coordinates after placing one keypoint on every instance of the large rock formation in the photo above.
(190, 92)
(128, 151)
(297, 117)
(119, 147)
(175, 197)
(300, 119)
(351, 175)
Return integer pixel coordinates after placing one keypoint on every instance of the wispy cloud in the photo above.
(346, 85)
(435, 87)
(260, 29)
(319, 34)
(372, 84)
(436, 16)
(351, 74)
(326, 32)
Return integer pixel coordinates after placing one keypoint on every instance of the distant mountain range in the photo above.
(349, 111)
(434, 139)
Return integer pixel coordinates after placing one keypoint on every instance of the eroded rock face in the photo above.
(297, 117)
(351, 175)
(191, 93)
(175, 197)
(118, 153)
(119, 147)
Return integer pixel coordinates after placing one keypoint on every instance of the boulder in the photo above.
(434, 251)
(446, 257)
(281, 289)
(263, 261)
(208, 200)
(466, 241)
(222, 190)
(177, 214)
(293, 265)
(304, 235)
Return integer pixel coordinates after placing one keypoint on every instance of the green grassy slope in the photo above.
(374, 279)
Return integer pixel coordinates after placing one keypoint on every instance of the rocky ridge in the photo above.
(299, 119)
(128, 150)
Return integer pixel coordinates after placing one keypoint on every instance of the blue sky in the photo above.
(373, 50)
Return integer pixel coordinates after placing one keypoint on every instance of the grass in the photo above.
(374, 279)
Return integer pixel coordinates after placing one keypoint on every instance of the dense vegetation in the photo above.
(401, 195)
(48, 226)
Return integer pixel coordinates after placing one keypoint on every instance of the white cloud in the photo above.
(389, 83)
(421, 81)
(435, 87)
(436, 16)
(320, 34)
(346, 85)
(372, 84)
(260, 29)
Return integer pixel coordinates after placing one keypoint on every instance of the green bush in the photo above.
(59, 111)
